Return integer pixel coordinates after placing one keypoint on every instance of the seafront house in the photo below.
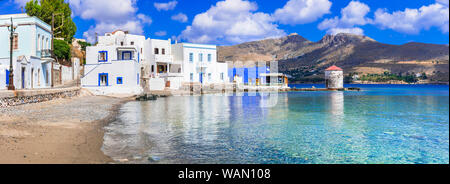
(113, 66)
(199, 64)
(163, 71)
(31, 52)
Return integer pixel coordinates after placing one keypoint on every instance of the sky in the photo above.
(229, 22)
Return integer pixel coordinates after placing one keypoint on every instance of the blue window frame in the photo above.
(7, 77)
(200, 57)
(103, 79)
(139, 57)
(119, 80)
(191, 57)
(138, 79)
(127, 52)
(102, 56)
(209, 57)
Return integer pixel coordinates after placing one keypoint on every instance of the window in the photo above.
(102, 79)
(191, 57)
(209, 57)
(121, 43)
(102, 56)
(16, 42)
(141, 50)
(38, 43)
(209, 76)
(127, 55)
(221, 76)
(138, 79)
(119, 80)
(156, 51)
(163, 51)
(132, 43)
(192, 77)
(42, 43)
(200, 57)
(153, 68)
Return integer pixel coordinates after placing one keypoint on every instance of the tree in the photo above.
(44, 9)
(62, 51)
(84, 45)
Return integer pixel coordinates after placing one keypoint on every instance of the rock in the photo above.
(153, 158)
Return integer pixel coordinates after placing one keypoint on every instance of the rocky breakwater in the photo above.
(20, 97)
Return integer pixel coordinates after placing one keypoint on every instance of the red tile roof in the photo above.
(334, 68)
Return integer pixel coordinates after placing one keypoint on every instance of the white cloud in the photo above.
(302, 11)
(165, 6)
(412, 21)
(108, 17)
(21, 3)
(181, 17)
(144, 18)
(161, 33)
(230, 22)
(354, 14)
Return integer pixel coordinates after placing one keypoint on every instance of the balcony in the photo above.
(202, 64)
(163, 58)
(46, 53)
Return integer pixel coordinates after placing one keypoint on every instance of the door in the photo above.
(201, 77)
(23, 78)
(245, 75)
(102, 79)
(32, 75)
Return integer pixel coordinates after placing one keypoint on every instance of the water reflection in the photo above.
(309, 127)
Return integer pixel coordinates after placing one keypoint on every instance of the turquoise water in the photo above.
(394, 124)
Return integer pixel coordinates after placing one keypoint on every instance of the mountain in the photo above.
(304, 59)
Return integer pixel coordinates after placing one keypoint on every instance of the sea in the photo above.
(381, 124)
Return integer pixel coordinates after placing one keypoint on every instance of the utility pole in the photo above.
(11, 28)
(53, 47)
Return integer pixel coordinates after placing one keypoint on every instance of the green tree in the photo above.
(84, 45)
(62, 50)
(44, 9)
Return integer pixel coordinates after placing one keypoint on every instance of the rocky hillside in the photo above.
(361, 55)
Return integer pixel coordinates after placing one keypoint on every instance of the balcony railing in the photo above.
(46, 53)
(163, 58)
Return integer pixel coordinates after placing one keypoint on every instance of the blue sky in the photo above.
(228, 22)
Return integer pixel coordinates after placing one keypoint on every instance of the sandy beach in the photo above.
(63, 131)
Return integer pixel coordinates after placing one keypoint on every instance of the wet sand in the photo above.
(63, 131)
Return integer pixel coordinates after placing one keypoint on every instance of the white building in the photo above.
(113, 66)
(32, 60)
(125, 63)
(199, 64)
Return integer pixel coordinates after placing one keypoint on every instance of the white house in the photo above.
(199, 63)
(32, 60)
(113, 66)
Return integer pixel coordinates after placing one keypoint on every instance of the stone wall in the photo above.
(13, 98)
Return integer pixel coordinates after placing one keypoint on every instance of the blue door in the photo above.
(23, 78)
(245, 75)
(7, 77)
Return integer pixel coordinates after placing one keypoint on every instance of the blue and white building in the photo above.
(113, 66)
(31, 52)
(199, 63)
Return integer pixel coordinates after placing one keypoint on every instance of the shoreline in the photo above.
(62, 131)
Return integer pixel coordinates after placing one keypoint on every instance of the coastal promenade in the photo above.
(68, 130)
